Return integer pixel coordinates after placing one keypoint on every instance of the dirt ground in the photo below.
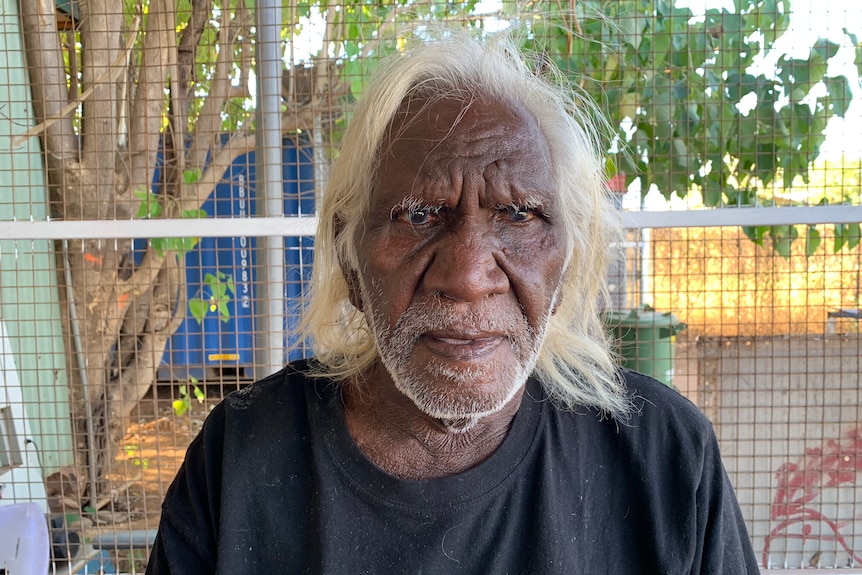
(154, 448)
(152, 452)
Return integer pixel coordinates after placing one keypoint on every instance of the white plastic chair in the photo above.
(24, 546)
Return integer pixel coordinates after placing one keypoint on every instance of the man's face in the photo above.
(462, 255)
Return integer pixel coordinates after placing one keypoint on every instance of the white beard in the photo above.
(445, 392)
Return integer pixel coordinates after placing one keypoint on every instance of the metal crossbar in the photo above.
(307, 226)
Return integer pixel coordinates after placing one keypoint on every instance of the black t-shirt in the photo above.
(275, 484)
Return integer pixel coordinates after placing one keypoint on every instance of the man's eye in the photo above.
(518, 214)
(418, 217)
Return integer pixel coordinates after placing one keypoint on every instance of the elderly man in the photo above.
(463, 413)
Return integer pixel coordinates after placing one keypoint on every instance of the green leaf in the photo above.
(610, 167)
(770, 21)
(192, 175)
(199, 394)
(661, 179)
(661, 42)
(765, 161)
(802, 74)
(739, 85)
(70, 518)
(159, 245)
(142, 209)
(352, 49)
(663, 110)
(188, 244)
(211, 281)
(840, 94)
(839, 239)
(174, 244)
(632, 26)
(150, 206)
(220, 291)
(755, 233)
(194, 214)
(181, 406)
(825, 48)
(681, 182)
(712, 193)
(664, 7)
(628, 105)
(812, 241)
(680, 154)
(223, 311)
(852, 235)
(782, 239)
(198, 309)
(628, 165)
(354, 74)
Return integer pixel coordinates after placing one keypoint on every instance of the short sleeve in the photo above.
(726, 546)
(186, 542)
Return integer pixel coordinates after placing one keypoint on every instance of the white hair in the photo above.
(575, 364)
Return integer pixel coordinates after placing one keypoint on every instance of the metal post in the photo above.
(269, 188)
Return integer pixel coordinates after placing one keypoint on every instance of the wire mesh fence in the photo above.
(158, 182)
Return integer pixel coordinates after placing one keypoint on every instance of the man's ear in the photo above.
(351, 277)
(558, 296)
(354, 294)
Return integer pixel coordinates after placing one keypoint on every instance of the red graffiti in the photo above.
(799, 484)
(94, 260)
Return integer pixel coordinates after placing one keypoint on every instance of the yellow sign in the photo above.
(223, 356)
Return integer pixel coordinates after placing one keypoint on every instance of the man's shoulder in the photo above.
(291, 382)
(662, 411)
(659, 415)
(277, 404)
(277, 399)
(647, 391)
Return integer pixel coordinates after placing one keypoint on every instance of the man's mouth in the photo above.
(466, 347)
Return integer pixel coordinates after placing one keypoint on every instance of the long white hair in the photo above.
(575, 365)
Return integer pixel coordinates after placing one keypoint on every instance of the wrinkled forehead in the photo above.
(456, 116)
(444, 136)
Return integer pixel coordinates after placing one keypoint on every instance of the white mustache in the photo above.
(439, 315)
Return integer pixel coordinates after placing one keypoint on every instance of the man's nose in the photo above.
(465, 266)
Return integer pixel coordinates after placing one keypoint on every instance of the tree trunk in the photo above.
(48, 80)
(127, 312)
(114, 307)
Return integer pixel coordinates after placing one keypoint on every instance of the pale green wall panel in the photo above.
(28, 277)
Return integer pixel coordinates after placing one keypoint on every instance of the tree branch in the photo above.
(48, 81)
(148, 109)
(182, 82)
(101, 23)
(223, 157)
(208, 125)
(108, 76)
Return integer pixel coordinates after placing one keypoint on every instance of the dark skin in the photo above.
(463, 210)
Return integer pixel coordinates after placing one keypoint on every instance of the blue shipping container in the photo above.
(196, 347)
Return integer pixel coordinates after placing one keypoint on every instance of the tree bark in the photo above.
(127, 312)
(48, 83)
(182, 92)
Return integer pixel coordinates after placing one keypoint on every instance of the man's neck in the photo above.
(406, 443)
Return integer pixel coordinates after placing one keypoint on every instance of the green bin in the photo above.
(644, 340)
